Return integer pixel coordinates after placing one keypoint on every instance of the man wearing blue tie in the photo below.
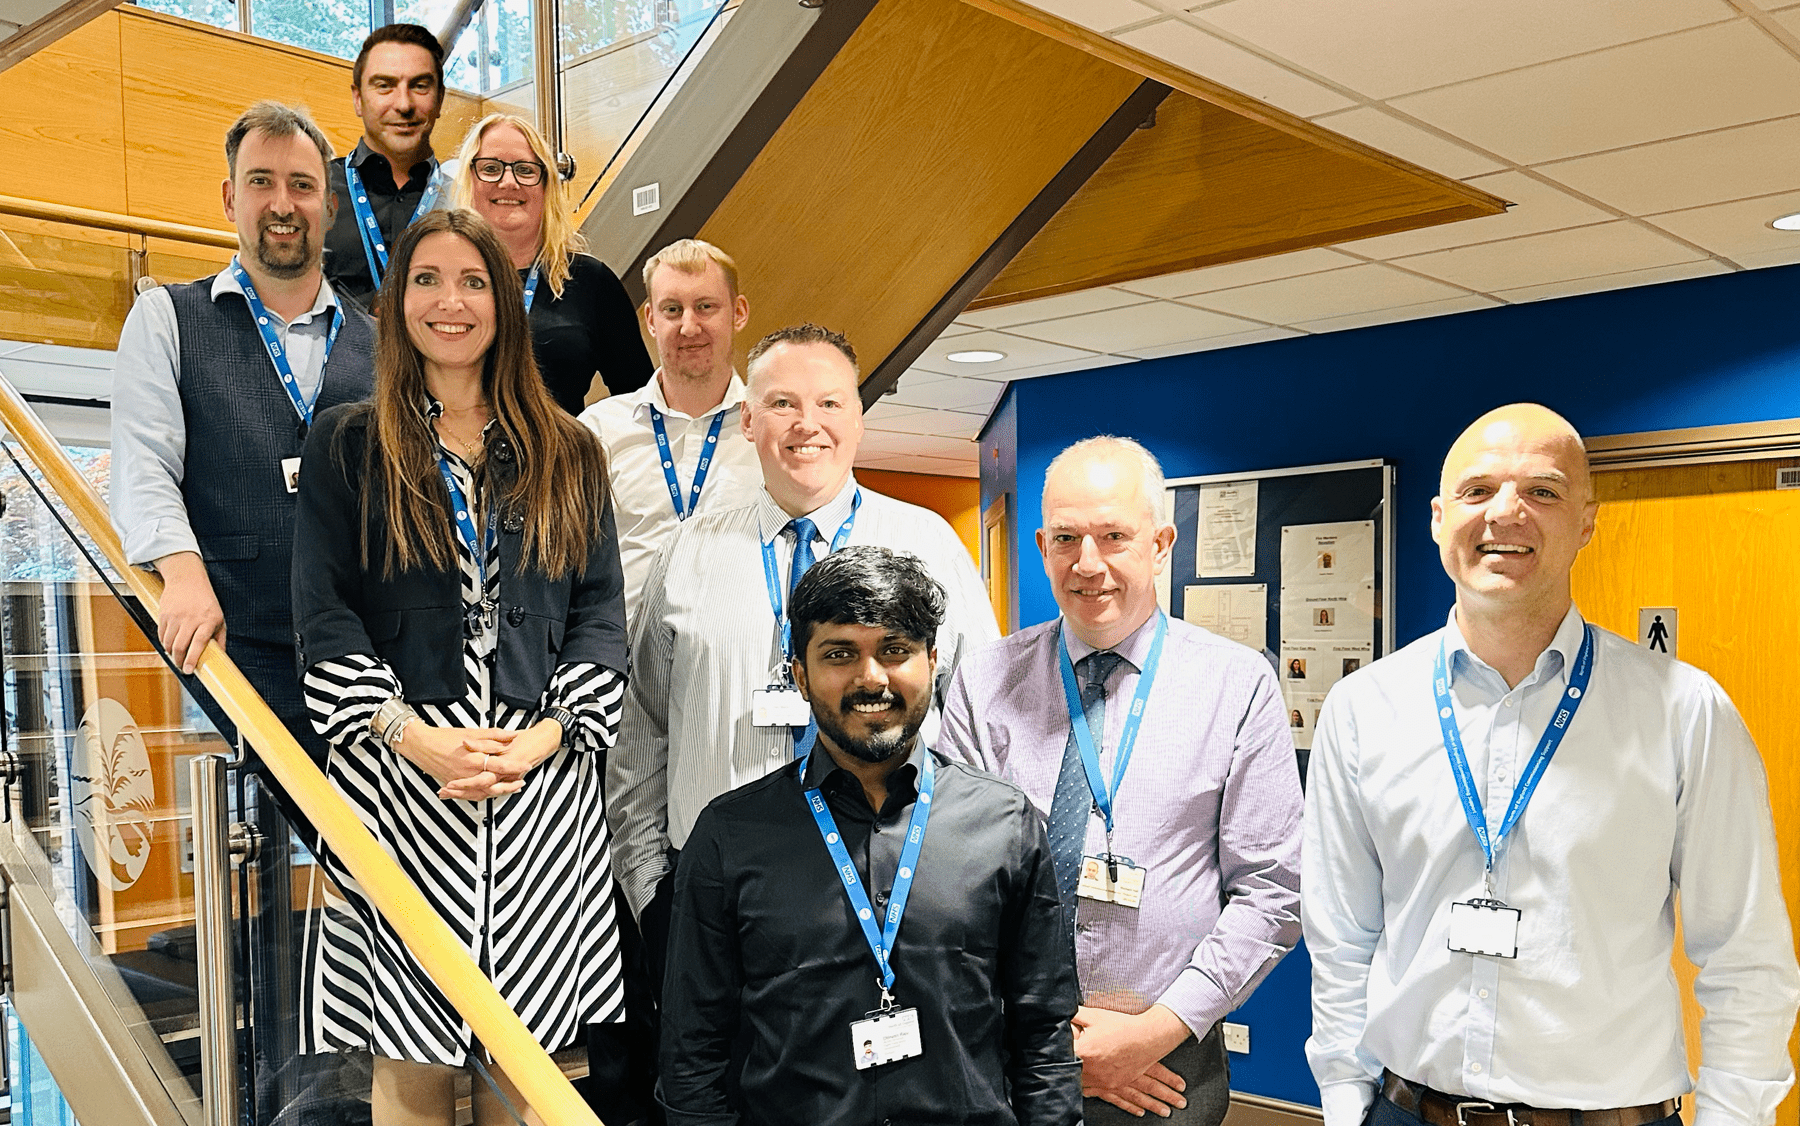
(712, 704)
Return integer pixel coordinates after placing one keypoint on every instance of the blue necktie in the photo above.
(804, 530)
(1067, 827)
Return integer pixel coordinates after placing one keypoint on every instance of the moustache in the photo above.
(890, 699)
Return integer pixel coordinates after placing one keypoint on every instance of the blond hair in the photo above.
(557, 236)
(690, 256)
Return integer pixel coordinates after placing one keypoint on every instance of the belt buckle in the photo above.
(1465, 1106)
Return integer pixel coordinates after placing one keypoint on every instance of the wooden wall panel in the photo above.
(62, 122)
(924, 138)
(1206, 185)
(62, 285)
(1715, 541)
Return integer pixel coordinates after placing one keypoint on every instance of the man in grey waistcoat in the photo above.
(214, 387)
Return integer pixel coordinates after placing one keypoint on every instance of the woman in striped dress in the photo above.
(460, 619)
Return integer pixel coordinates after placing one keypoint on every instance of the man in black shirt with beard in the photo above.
(872, 933)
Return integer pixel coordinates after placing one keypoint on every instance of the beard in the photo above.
(882, 745)
(290, 260)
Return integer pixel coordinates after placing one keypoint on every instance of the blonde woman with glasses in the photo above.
(582, 323)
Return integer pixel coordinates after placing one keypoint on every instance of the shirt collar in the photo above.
(1135, 648)
(360, 155)
(1555, 660)
(225, 281)
(771, 518)
(652, 396)
(820, 766)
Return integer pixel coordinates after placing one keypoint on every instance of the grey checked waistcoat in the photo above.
(240, 426)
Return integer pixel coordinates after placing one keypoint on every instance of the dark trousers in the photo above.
(1202, 1064)
(621, 1079)
(1384, 1113)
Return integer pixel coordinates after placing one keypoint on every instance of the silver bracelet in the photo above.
(390, 720)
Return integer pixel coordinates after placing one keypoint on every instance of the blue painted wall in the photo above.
(1696, 353)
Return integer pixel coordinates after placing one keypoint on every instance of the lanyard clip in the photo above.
(1487, 876)
(887, 999)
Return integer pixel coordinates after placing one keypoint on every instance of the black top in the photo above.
(590, 328)
(414, 619)
(346, 265)
(768, 966)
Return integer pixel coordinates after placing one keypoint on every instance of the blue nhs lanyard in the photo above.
(881, 942)
(1084, 737)
(772, 576)
(478, 544)
(706, 455)
(530, 285)
(374, 244)
(278, 352)
(1534, 769)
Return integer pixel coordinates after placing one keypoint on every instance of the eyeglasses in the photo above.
(525, 172)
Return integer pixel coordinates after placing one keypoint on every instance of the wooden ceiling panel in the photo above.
(1206, 185)
(925, 137)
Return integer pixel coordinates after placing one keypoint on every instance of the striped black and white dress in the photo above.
(524, 880)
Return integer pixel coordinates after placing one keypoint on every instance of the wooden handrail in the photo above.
(113, 221)
(426, 934)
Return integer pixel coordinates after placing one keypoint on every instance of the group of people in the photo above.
(715, 758)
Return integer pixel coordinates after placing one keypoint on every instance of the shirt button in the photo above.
(1509, 701)
(1476, 1068)
(1482, 994)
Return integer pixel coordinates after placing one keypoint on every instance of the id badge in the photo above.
(290, 473)
(1096, 881)
(884, 1037)
(779, 705)
(1484, 926)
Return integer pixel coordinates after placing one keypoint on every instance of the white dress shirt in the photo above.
(149, 430)
(706, 637)
(641, 503)
(1656, 787)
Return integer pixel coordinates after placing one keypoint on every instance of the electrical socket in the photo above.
(1237, 1038)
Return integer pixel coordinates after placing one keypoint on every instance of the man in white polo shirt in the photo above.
(676, 444)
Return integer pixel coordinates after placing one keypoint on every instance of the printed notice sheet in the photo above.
(1327, 613)
(1227, 527)
(1239, 611)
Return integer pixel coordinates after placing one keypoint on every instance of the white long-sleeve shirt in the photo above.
(1655, 789)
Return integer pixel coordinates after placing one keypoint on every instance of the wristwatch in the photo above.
(563, 716)
(391, 719)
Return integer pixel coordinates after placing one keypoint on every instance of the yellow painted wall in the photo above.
(956, 499)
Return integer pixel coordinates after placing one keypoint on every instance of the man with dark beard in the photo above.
(872, 932)
(215, 384)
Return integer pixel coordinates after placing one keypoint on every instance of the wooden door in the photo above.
(1721, 544)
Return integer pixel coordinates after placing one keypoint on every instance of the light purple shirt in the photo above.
(1210, 805)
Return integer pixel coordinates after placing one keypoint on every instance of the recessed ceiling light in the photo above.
(976, 356)
(1787, 222)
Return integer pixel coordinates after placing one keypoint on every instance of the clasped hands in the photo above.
(472, 763)
(1121, 1058)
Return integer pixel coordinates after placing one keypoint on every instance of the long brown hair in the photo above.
(560, 490)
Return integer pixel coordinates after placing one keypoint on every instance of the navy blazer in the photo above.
(413, 620)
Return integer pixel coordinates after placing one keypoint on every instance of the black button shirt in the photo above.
(346, 265)
(768, 966)
(590, 328)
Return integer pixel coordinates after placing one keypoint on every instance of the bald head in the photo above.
(1520, 426)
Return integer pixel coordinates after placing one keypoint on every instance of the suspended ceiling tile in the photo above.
(1399, 46)
(1653, 276)
(889, 415)
(1139, 326)
(1211, 57)
(1357, 289)
(1020, 353)
(1772, 258)
(936, 423)
(923, 445)
(1790, 19)
(1609, 248)
(1750, 160)
(1213, 344)
(1709, 78)
(1049, 308)
(1098, 15)
(1382, 130)
(958, 328)
(1087, 364)
(1467, 303)
(964, 465)
(1536, 207)
(945, 393)
(1737, 228)
(1240, 273)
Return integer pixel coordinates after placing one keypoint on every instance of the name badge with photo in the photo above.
(779, 705)
(290, 473)
(884, 1037)
(1484, 926)
(1097, 882)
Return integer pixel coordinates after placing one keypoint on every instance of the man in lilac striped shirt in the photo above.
(1181, 874)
